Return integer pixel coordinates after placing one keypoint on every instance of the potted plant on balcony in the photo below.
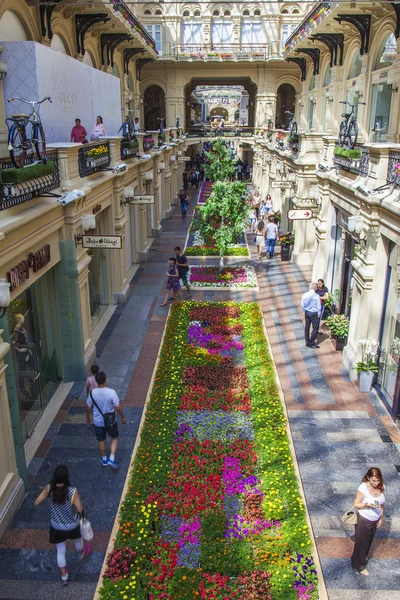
(286, 241)
(367, 366)
(339, 328)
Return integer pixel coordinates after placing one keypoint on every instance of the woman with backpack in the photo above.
(66, 510)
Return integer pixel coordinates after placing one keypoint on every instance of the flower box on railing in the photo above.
(93, 158)
(129, 149)
(243, 55)
(354, 160)
(393, 174)
(226, 55)
(21, 185)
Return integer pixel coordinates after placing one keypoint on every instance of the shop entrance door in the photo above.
(25, 359)
(347, 276)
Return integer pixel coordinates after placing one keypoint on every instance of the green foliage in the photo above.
(371, 365)
(224, 215)
(27, 173)
(211, 251)
(347, 152)
(338, 325)
(222, 166)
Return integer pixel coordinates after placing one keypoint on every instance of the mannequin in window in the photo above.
(20, 343)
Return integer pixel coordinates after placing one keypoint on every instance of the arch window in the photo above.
(156, 33)
(196, 13)
(387, 53)
(186, 13)
(192, 34)
(356, 65)
(158, 12)
(11, 28)
(252, 32)
(285, 11)
(257, 13)
(216, 13)
(222, 31)
(312, 83)
(328, 76)
(227, 13)
(58, 44)
(295, 11)
(147, 12)
(246, 13)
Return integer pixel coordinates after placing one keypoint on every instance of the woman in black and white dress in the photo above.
(260, 238)
(65, 512)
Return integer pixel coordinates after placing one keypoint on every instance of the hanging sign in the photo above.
(142, 200)
(183, 158)
(102, 241)
(299, 215)
(280, 184)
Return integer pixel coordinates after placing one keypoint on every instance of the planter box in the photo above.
(286, 252)
(340, 343)
(14, 176)
(365, 379)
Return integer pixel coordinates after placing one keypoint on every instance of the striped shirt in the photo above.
(64, 516)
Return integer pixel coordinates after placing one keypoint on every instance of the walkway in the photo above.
(337, 432)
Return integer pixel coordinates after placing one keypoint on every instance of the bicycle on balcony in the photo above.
(22, 146)
(292, 128)
(128, 125)
(348, 130)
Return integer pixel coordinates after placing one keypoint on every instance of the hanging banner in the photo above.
(142, 200)
(111, 242)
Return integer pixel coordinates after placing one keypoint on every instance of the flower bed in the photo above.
(212, 508)
(232, 277)
(198, 246)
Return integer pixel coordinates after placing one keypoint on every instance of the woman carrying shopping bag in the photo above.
(66, 512)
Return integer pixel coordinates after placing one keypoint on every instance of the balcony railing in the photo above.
(358, 166)
(208, 131)
(121, 8)
(393, 177)
(93, 158)
(222, 52)
(12, 194)
(309, 22)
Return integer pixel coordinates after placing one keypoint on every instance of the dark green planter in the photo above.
(10, 176)
(286, 252)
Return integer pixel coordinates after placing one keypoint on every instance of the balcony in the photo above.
(136, 27)
(207, 131)
(358, 166)
(222, 53)
(93, 158)
(17, 192)
(309, 23)
(393, 176)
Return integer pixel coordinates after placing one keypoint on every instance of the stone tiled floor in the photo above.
(337, 433)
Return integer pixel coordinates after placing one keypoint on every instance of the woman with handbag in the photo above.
(66, 511)
(370, 502)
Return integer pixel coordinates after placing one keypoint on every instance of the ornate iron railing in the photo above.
(393, 177)
(222, 52)
(358, 166)
(121, 8)
(309, 23)
(127, 151)
(12, 194)
(207, 131)
(91, 158)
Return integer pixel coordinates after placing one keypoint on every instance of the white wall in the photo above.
(76, 89)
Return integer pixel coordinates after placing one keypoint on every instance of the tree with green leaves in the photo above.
(224, 215)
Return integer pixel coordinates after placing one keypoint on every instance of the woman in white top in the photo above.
(370, 502)
(260, 239)
(98, 130)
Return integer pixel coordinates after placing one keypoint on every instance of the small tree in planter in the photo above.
(339, 328)
(367, 366)
(286, 241)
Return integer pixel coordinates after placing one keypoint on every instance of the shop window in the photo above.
(191, 33)
(155, 32)
(387, 53)
(252, 32)
(222, 32)
(380, 110)
(310, 114)
(356, 65)
(328, 76)
(312, 83)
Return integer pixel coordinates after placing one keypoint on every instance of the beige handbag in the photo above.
(350, 516)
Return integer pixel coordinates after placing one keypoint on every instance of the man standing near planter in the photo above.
(311, 304)
(323, 293)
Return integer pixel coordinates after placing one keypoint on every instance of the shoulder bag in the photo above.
(109, 418)
(350, 516)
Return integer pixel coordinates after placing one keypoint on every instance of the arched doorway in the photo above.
(154, 107)
(285, 100)
(218, 111)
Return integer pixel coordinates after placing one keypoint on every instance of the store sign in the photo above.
(280, 184)
(183, 158)
(102, 241)
(142, 200)
(35, 261)
(299, 215)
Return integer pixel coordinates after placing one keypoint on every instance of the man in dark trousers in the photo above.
(183, 199)
(323, 293)
(183, 268)
(311, 304)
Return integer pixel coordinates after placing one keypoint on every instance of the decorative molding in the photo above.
(129, 53)
(363, 24)
(109, 42)
(83, 23)
(140, 62)
(46, 11)
(314, 53)
(335, 43)
(396, 8)
(302, 63)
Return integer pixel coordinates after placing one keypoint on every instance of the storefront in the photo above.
(99, 279)
(340, 272)
(34, 334)
(388, 379)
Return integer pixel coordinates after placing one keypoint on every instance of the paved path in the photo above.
(337, 432)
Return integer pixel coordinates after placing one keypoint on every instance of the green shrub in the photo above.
(347, 153)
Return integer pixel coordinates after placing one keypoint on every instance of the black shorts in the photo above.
(101, 432)
(56, 536)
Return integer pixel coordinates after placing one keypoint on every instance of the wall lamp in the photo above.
(3, 70)
(88, 224)
(355, 225)
(128, 195)
(291, 177)
(5, 298)
(148, 176)
(161, 167)
(172, 158)
(394, 88)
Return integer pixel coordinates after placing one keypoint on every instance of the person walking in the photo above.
(370, 502)
(240, 171)
(91, 379)
(193, 180)
(172, 281)
(102, 402)
(78, 133)
(268, 205)
(323, 293)
(98, 130)
(272, 236)
(136, 126)
(66, 509)
(183, 200)
(311, 305)
(185, 180)
(183, 269)
(260, 239)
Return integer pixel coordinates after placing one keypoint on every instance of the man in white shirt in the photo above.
(136, 128)
(311, 304)
(102, 402)
(271, 231)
